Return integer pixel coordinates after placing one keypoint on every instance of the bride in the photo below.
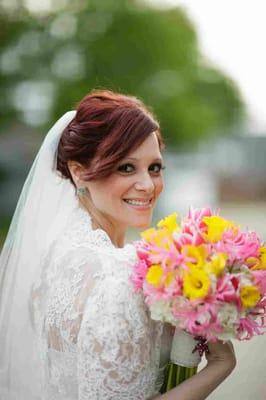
(72, 327)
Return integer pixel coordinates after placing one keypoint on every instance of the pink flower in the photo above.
(198, 318)
(142, 250)
(221, 314)
(247, 328)
(193, 227)
(259, 278)
(168, 258)
(239, 245)
(139, 273)
(191, 237)
(227, 289)
(153, 294)
(196, 215)
(260, 312)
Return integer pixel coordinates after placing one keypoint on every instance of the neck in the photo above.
(99, 220)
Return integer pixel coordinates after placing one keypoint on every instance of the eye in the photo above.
(156, 168)
(126, 168)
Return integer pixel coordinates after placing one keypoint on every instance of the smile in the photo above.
(139, 203)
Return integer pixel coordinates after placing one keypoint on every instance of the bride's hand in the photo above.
(222, 354)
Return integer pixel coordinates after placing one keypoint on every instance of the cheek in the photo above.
(114, 188)
(159, 186)
(100, 191)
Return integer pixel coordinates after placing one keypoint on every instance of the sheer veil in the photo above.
(42, 210)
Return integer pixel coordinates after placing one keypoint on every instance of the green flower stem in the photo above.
(175, 374)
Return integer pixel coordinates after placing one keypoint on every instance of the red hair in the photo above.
(106, 128)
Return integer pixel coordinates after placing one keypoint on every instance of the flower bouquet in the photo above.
(207, 277)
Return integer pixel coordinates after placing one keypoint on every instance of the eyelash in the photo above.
(122, 168)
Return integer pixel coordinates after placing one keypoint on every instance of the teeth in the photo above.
(138, 202)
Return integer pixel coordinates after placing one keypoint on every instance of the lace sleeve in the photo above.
(116, 343)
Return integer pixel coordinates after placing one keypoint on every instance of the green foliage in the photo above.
(121, 45)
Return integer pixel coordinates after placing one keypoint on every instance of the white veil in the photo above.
(43, 207)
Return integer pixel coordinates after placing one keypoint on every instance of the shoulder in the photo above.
(78, 237)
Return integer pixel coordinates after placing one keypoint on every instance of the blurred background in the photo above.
(199, 64)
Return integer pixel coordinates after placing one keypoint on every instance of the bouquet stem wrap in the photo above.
(185, 358)
(182, 350)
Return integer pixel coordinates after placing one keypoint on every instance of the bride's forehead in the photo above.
(149, 147)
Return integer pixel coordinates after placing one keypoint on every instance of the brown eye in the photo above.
(156, 168)
(126, 168)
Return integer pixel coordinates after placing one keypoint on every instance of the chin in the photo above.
(142, 224)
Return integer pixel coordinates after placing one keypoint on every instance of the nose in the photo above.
(145, 183)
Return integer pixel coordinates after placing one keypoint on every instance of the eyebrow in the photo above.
(138, 159)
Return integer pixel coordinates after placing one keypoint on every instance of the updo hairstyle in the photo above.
(106, 128)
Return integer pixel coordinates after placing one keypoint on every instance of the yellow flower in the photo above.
(196, 283)
(216, 265)
(154, 275)
(263, 257)
(198, 253)
(169, 223)
(249, 296)
(216, 227)
(159, 237)
(255, 263)
(148, 235)
(170, 276)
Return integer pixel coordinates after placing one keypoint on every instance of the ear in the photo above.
(75, 169)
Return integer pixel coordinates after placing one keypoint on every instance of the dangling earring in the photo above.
(82, 191)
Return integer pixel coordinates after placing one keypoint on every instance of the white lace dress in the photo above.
(93, 331)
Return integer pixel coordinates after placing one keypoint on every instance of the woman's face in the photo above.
(127, 197)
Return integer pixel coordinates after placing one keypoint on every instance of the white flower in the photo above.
(227, 316)
(161, 311)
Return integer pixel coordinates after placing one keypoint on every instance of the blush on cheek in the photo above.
(159, 190)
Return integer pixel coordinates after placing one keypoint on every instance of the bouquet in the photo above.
(207, 277)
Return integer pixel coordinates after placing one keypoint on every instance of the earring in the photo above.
(82, 191)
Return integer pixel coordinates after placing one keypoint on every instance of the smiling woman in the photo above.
(132, 190)
(113, 150)
(72, 325)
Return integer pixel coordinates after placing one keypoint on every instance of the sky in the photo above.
(232, 35)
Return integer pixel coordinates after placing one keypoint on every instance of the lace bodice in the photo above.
(94, 332)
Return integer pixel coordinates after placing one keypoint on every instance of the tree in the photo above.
(49, 63)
